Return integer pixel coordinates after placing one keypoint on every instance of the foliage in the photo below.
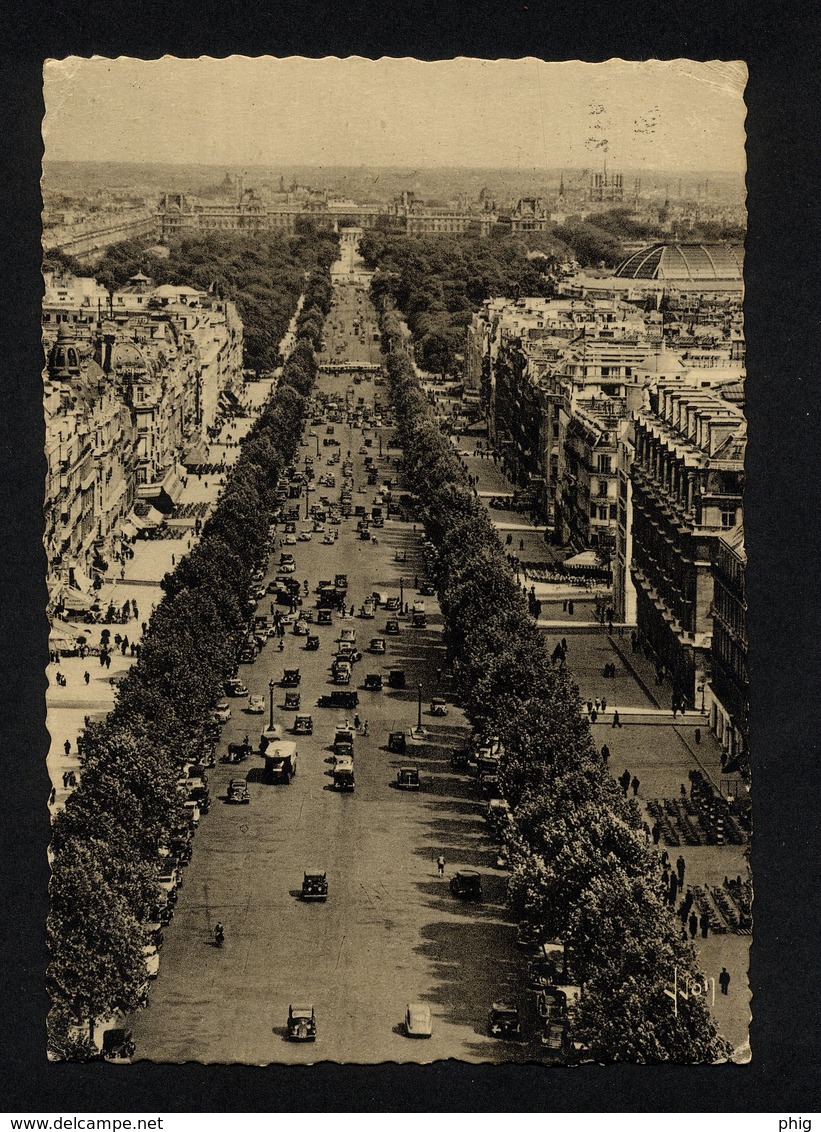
(579, 869)
(107, 841)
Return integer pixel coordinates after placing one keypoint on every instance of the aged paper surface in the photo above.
(395, 443)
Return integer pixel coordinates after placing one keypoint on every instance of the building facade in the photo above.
(728, 691)
(687, 484)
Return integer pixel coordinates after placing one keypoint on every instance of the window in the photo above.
(602, 487)
(604, 464)
(728, 517)
(603, 512)
(593, 510)
(613, 511)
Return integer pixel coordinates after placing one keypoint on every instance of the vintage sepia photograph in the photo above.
(394, 532)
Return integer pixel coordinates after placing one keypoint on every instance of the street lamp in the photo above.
(402, 593)
(317, 444)
(271, 686)
(419, 712)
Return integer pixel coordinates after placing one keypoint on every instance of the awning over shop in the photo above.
(195, 457)
(74, 600)
(151, 518)
(163, 495)
(585, 558)
(127, 529)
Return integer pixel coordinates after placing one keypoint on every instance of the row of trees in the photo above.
(263, 274)
(440, 281)
(106, 843)
(580, 870)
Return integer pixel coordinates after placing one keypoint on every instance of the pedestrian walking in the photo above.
(724, 980)
(570, 607)
(67, 746)
(693, 922)
(656, 832)
(665, 859)
(589, 707)
(52, 796)
(624, 781)
(704, 924)
(635, 784)
(605, 753)
(604, 704)
(672, 891)
(681, 865)
(616, 719)
(697, 735)
(440, 865)
(86, 677)
(65, 779)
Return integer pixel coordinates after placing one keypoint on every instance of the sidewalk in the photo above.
(657, 749)
(69, 708)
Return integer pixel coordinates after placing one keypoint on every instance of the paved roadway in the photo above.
(390, 931)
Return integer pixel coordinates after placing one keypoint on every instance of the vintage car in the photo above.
(419, 621)
(427, 589)
(118, 1044)
(343, 739)
(503, 1021)
(238, 791)
(301, 1024)
(373, 682)
(342, 776)
(377, 645)
(407, 778)
(418, 1022)
(255, 705)
(303, 725)
(247, 654)
(290, 678)
(340, 698)
(466, 884)
(397, 742)
(438, 706)
(221, 713)
(368, 610)
(342, 672)
(234, 687)
(396, 678)
(280, 762)
(314, 884)
(392, 627)
(312, 642)
(292, 701)
(348, 635)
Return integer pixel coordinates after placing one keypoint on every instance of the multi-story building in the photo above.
(133, 379)
(728, 692)
(86, 237)
(687, 480)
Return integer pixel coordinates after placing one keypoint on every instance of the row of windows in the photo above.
(603, 512)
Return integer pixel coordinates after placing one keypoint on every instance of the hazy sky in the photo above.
(678, 115)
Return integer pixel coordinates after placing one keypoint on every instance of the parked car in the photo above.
(377, 645)
(312, 642)
(255, 705)
(418, 1022)
(291, 678)
(301, 1024)
(397, 743)
(466, 884)
(503, 1021)
(392, 604)
(292, 701)
(407, 778)
(438, 706)
(234, 687)
(314, 884)
(396, 678)
(303, 725)
(221, 713)
(238, 791)
(392, 627)
(340, 698)
(373, 682)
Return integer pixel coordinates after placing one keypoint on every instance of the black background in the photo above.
(780, 44)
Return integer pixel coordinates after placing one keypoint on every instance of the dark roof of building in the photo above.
(692, 263)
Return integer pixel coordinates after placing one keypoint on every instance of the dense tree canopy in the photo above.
(107, 841)
(580, 871)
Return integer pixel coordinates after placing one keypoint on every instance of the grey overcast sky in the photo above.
(521, 113)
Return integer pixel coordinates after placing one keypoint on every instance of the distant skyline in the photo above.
(524, 114)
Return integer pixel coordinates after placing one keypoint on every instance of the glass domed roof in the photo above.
(691, 263)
